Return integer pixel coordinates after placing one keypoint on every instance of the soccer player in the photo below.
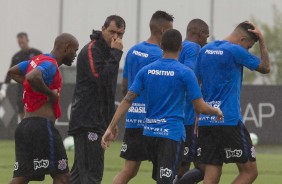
(133, 148)
(39, 146)
(220, 70)
(197, 33)
(93, 103)
(165, 83)
(26, 53)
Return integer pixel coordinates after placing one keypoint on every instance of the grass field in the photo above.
(269, 160)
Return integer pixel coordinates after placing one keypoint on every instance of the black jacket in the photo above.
(93, 104)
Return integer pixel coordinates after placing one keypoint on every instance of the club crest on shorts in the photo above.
(123, 147)
(233, 153)
(62, 164)
(186, 151)
(165, 172)
(253, 152)
(40, 163)
(92, 136)
(16, 166)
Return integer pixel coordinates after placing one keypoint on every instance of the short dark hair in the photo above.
(244, 26)
(158, 19)
(171, 40)
(117, 19)
(196, 25)
(22, 34)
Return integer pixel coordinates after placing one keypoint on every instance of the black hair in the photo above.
(245, 26)
(22, 34)
(171, 40)
(117, 19)
(158, 19)
(196, 25)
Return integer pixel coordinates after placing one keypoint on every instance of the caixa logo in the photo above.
(40, 164)
(165, 172)
(123, 147)
(233, 153)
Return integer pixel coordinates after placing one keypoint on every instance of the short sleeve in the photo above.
(48, 70)
(243, 57)
(138, 84)
(23, 66)
(192, 86)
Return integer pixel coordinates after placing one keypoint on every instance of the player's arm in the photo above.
(124, 86)
(264, 66)
(202, 108)
(110, 133)
(38, 77)
(17, 72)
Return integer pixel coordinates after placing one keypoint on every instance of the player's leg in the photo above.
(134, 151)
(169, 158)
(209, 153)
(19, 180)
(128, 172)
(247, 173)
(61, 178)
(242, 152)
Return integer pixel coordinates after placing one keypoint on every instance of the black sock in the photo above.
(192, 176)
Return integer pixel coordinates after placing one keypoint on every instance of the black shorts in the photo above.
(190, 148)
(88, 164)
(39, 150)
(134, 145)
(228, 144)
(166, 156)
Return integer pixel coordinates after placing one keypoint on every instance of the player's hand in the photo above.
(256, 30)
(117, 43)
(54, 95)
(108, 137)
(219, 115)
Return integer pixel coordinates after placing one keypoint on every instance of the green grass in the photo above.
(269, 160)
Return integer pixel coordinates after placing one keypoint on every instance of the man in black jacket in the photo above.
(93, 103)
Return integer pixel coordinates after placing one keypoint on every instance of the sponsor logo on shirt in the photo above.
(123, 147)
(33, 64)
(186, 151)
(40, 163)
(137, 108)
(165, 172)
(155, 120)
(141, 54)
(214, 52)
(158, 131)
(92, 136)
(62, 164)
(16, 166)
(161, 72)
(253, 152)
(233, 153)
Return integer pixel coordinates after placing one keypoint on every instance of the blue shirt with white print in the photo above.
(165, 83)
(137, 57)
(220, 70)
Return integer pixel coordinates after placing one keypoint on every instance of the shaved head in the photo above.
(65, 38)
(195, 26)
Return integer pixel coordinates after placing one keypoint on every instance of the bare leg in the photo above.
(128, 172)
(61, 178)
(247, 173)
(19, 180)
(212, 174)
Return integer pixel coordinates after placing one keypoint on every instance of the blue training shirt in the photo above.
(137, 57)
(220, 69)
(165, 83)
(188, 57)
(47, 68)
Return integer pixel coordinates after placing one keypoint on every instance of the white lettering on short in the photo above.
(165, 172)
(40, 163)
(233, 153)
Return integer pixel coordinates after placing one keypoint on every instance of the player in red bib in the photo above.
(39, 147)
